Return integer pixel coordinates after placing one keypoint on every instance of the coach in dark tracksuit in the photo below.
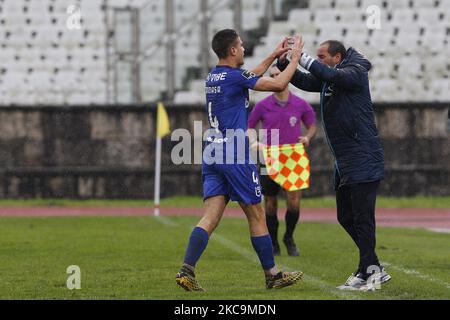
(341, 77)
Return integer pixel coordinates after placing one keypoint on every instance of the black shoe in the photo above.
(291, 247)
(276, 249)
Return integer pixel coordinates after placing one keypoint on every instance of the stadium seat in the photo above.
(401, 17)
(380, 42)
(389, 90)
(221, 20)
(436, 68)
(250, 20)
(301, 20)
(330, 33)
(443, 4)
(429, 16)
(346, 4)
(326, 17)
(301, 16)
(320, 4)
(381, 68)
(398, 4)
(183, 97)
(424, 3)
(39, 51)
(409, 67)
(366, 3)
(282, 28)
(406, 43)
(434, 42)
(356, 38)
(352, 18)
(440, 90)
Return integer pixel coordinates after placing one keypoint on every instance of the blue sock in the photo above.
(197, 244)
(263, 247)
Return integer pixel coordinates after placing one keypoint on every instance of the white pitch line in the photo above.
(440, 230)
(249, 255)
(166, 221)
(416, 274)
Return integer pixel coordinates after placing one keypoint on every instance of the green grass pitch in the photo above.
(192, 201)
(138, 257)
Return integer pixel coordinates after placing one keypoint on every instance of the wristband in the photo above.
(306, 61)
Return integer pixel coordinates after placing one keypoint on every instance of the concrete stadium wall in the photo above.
(108, 152)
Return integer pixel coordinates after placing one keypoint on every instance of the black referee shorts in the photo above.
(269, 187)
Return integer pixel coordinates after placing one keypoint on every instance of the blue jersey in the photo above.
(227, 171)
(227, 101)
(227, 97)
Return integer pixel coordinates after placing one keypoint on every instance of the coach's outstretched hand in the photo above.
(288, 43)
(296, 51)
(280, 82)
(281, 48)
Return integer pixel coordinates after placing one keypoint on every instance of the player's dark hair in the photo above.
(223, 41)
(335, 47)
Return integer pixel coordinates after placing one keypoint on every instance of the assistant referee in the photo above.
(282, 113)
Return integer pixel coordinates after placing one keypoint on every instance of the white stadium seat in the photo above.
(398, 4)
(409, 67)
(381, 68)
(183, 97)
(367, 3)
(424, 3)
(356, 38)
(326, 17)
(320, 4)
(402, 17)
(385, 90)
(346, 4)
(429, 16)
(331, 33)
(444, 4)
(48, 63)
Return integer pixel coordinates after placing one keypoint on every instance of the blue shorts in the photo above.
(237, 182)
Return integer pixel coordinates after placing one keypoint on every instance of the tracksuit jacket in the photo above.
(347, 116)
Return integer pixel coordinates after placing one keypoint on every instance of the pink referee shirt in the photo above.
(285, 117)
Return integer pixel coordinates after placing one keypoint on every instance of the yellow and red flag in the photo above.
(288, 165)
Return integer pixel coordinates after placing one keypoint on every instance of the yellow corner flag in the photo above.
(162, 121)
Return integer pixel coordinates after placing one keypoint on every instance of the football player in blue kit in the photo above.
(228, 173)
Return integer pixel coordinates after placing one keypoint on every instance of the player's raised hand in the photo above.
(288, 43)
(297, 48)
(282, 48)
(282, 58)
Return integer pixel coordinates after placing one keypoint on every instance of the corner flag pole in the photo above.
(157, 177)
(162, 129)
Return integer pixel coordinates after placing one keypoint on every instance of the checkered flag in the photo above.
(288, 165)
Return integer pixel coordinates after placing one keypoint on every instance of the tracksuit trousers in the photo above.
(356, 214)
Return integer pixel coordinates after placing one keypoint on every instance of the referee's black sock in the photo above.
(292, 217)
(272, 225)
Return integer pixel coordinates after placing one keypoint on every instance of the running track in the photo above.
(433, 219)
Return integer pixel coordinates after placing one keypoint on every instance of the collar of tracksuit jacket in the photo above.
(353, 57)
